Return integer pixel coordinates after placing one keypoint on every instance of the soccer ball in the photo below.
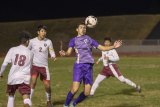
(91, 21)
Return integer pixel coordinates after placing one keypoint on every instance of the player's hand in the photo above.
(117, 43)
(1, 77)
(106, 58)
(62, 53)
(54, 58)
(97, 62)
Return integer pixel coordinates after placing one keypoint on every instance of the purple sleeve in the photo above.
(94, 43)
(72, 43)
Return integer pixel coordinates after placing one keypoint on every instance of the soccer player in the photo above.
(19, 76)
(83, 67)
(41, 46)
(110, 68)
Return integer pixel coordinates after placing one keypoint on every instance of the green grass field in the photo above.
(111, 93)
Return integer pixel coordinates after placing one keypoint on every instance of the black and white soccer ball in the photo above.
(91, 21)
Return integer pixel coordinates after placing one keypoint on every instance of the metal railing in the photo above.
(142, 42)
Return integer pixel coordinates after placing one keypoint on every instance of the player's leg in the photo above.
(34, 76)
(96, 83)
(45, 77)
(129, 82)
(83, 95)
(11, 89)
(10, 100)
(88, 81)
(103, 74)
(126, 81)
(120, 77)
(25, 90)
(77, 78)
(26, 100)
(33, 84)
(48, 92)
(71, 93)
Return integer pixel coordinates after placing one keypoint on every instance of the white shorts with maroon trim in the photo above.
(111, 70)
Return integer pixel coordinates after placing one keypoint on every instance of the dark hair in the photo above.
(108, 38)
(42, 27)
(82, 23)
(24, 37)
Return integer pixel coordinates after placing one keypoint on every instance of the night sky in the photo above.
(34, 10)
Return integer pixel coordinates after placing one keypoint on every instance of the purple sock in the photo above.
(79, 99)
(69, 98)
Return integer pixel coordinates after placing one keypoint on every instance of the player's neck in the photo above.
(80, 35)
(25, 45)
(39, 38)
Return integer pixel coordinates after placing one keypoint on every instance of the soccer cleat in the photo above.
(65, 106)
(138, 88)
(72, 105)
(49, 104)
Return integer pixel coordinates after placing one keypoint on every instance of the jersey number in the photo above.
(20, 59)
(40, 49)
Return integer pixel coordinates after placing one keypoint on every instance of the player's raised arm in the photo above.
(70, 48)
(116, 44)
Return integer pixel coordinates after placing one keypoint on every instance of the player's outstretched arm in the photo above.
(100, 59)
(3, 67)
(116, 44)
(67, 53)
(6, 61)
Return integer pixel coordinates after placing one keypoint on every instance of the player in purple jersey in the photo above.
(83, 67)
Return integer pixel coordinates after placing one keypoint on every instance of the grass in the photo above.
(111, 93)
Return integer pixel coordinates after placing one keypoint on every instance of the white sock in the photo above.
(10, 101)
(127, 81)
(27, 101)
(95, 85)
(48, 96)
(32, 91)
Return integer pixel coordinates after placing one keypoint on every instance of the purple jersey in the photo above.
(83, 48)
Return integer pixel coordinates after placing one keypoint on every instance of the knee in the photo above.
(47, 83)
(27, 101)
(122, 79)
(48, 88)
(95, 84)
(33, 84)
(74, 90)
(87, 93)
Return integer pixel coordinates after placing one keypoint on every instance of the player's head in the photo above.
(107, 41)
(81, 29)
(24, 38)
(42, 31)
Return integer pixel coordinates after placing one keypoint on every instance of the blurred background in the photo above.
(136, 22)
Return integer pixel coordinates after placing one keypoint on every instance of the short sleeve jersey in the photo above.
(83, 48)
(21, 59)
